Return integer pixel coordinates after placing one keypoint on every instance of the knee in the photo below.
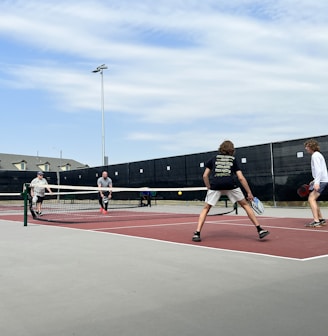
(243, 203)
(207, 207)
(313, 197)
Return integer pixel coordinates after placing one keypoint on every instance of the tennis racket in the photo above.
(257, 206)
(105, 201)
(303, 190)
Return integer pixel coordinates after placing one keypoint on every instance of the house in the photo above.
(28, 163)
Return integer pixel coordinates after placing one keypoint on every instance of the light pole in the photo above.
(100, 69)
(60, 166)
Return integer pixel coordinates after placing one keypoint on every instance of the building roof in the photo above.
(36, 163)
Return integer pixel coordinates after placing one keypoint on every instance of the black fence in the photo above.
(12, 181)
(274, 171)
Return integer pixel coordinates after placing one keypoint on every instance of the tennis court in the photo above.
(137, 272)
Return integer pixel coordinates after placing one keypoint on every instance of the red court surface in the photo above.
(288, 237)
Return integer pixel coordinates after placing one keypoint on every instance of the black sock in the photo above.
(259, 228)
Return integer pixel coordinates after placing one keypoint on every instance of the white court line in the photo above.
(315, 258)
(206, 247)
(210, 248)
(101, 231)
(231, 222)
(179, 244)
(223, 222)
(277, 227)
(142, 226)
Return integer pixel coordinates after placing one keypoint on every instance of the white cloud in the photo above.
(250, 70)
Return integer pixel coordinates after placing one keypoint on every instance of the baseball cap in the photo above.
(40, 173)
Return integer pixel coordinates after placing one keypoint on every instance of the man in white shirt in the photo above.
(38, 189)
(319, 183)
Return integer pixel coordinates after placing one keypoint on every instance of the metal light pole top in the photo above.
(100, 69)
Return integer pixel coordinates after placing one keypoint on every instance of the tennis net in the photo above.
(82, 204)
(11, 203)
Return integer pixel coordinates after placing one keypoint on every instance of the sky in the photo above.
(183, 76)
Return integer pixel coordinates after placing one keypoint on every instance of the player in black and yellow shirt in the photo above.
(220, 177)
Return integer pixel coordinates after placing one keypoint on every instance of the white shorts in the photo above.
(234, 195)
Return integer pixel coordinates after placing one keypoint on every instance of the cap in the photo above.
(40, 173)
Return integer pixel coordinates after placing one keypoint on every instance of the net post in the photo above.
(25, 198)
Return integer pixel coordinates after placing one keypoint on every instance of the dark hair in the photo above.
(313, 145)
(227, 148)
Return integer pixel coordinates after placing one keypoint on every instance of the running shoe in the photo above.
(322, 221)
(263, 233)
(314, 224)
(196, 237)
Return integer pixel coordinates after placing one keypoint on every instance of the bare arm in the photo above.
(244, 183)
(46, 183)
(206, 178)
(100, 192)
(110, 190)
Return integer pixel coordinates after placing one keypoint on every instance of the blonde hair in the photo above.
(227, 148)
